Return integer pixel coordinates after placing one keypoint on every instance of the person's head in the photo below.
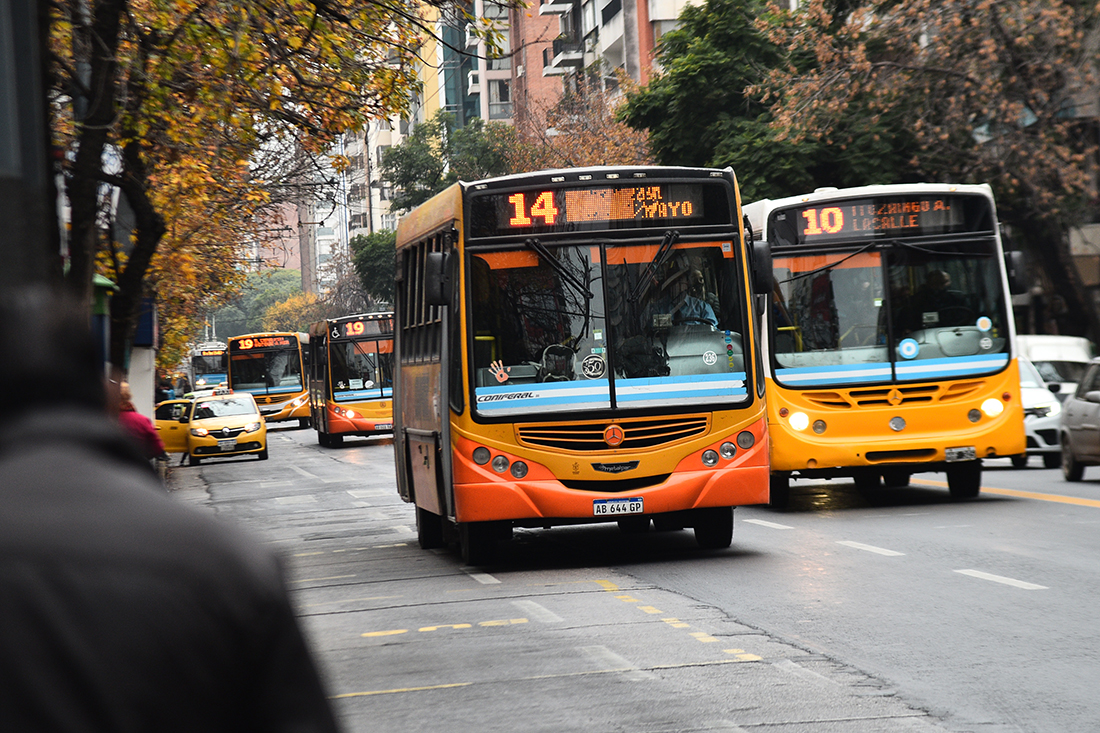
(938, 280)
(50, 357)
(696, 282)
(125, 396)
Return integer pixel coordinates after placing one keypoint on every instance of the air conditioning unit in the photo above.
(473, 82)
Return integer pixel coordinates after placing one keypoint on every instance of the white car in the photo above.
(1042, 413)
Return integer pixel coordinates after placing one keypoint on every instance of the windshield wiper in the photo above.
(826, 268)
(647, 280)
(558, 267)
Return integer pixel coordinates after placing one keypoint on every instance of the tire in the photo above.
(1072, 469)
(429, 529)
(896, 477)
(262, 455)
(335, 440)
(779, 491)
(714, 528)
(634, 525)
(1052, 460)
(193, 460)
(304, 422)
(477, 542)
(323, 440)
(1019, 461)
(867, 481)
(964, 480)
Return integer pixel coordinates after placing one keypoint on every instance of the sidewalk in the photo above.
(186, 484)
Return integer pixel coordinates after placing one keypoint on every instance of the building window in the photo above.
(389, 221)
(505, 62)
(500, 99)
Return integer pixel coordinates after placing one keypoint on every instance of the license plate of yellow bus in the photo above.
(616, 507)
(965, 453)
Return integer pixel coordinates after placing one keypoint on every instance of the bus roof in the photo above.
(445, 206)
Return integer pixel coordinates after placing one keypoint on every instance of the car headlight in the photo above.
(252, 427)
(1052, 409)
(200, 432)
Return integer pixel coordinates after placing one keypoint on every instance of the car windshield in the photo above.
(1061, 371)
(599, 327)
(1029, 375)
(223, 408)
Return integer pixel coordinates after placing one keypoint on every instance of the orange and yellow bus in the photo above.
(351, 376)
(272, 367)
(579, 346)
(889, 336)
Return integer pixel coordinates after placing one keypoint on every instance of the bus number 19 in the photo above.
(832, 221)
(543, 207)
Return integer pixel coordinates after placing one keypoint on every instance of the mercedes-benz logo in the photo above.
(613, 435)
(895, 397)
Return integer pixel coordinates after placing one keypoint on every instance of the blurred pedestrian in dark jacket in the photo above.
(121, 609)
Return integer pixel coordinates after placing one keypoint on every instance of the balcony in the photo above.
(566, 53)
(473, 82)
(555, 7)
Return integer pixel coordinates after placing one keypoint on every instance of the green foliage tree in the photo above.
(373, 255)
(700, 110)
(437, 154)
(260, 291)
(1000, 93)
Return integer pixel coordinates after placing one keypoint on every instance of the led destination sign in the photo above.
(892, 217)
(264, 342)
(597, 207)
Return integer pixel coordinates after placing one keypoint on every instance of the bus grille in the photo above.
(893, 396)
(587, 437)
(271, 399)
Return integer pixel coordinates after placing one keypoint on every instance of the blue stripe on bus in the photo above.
(836, 374)
(361, 394)
(953, 366)
(597, 394)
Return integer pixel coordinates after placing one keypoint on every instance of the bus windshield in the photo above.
(606, 326)
(267, 372)
(361, 369)
(895, 312)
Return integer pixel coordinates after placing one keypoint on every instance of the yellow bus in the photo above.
(272, 367)
(351, 376)
(578, 346)
(889, 336)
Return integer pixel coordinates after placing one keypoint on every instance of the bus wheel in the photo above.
(714, 527)
(779, 491)
(303, 422)
(322, 439)
(193, 460)
(634, 525)
(964, 480)
(897, 477)
(1019, 460)
(477, 542)
(867, 481)
(429, 529)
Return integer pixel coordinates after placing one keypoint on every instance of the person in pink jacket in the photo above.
(140, 428)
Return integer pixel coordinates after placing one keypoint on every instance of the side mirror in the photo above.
(184, 418)
(1092, 397)
(1054, 387)
(437, 278)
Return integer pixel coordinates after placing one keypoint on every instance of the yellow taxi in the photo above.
(212, 424)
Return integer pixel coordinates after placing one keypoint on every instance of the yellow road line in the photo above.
(1056, 498)
(400, 689)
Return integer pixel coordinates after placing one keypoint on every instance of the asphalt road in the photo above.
(901, 611)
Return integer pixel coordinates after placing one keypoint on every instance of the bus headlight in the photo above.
(974, 415)
(481, 455)
(500, 464)
(298, 402)
(745, 440)
(350, 414)
(727, 450)
(710, 458)
(519, 469)
(799, 420)
(819, 426)
(993, 407)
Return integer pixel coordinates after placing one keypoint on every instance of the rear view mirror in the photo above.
(437, 278)
(1017, 272)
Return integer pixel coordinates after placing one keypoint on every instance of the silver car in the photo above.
(1080, 427)
(1042, 415)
